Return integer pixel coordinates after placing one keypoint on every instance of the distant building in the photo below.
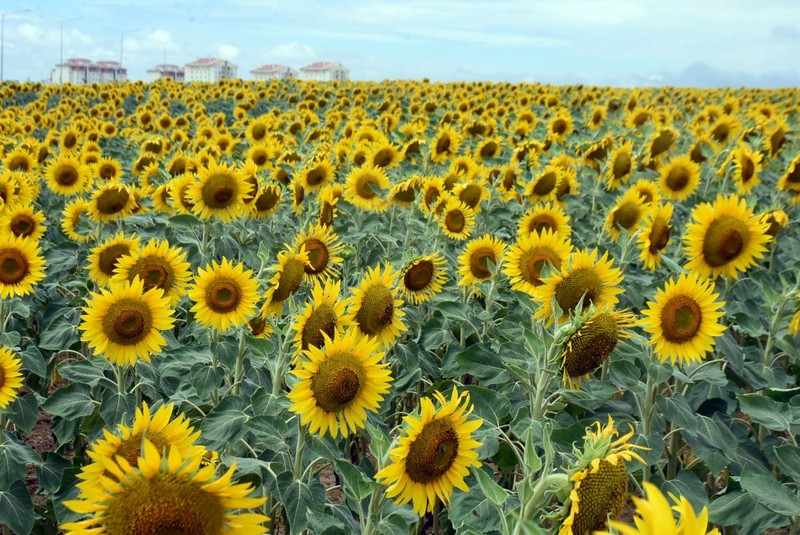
(165, 70)
(325, 71)
(83, 71)
(209, 70)
(273, 72)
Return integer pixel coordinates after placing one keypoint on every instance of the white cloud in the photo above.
(290, 53)
(228, 51)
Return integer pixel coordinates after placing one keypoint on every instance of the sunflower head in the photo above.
(224, 295)
(480, 257)
(21, 265)
(654, 235)
(323, 315)
(10, 377)
(423, 278)
(777, 221)
(526, 260)
(374, 308)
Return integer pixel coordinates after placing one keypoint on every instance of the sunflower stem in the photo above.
(297, 467)
(535, 502)
(437, 508)
(121, 371)
(239, 370)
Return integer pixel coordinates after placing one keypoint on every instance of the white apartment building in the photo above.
(83, 71)
(209, 70)
(165, 70)
(272, 72)
(325, 71)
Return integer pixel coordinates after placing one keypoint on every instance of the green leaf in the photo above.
(71, 402)
(379, 443)
(788, 458)
(298, 498)
(769, 413)
(767, 491)
(33, 361)
(51, 471)
(11, 469)
(62, 335)
(225, 425)
(83, 371)
(356, 485)
(115, 406)
(16, 508)
(494, 492)
(490, 405)
(688, 485)
(25, 412)
(481, 361)
(206, 378)
(731, 509)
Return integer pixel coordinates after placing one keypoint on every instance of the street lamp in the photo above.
(121, 36)
(61, 44)
(2, 36)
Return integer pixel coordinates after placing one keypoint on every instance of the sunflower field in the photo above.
(398, 308)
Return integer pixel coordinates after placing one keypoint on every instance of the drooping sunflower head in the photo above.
(111, 201)
(124, 323)
(266, 201)
(480, 257)
(584, 279)
(662, 141)
(600, 480)
(526, 260)
(158, 265)
(23, 221)
(165, 494)
(363, 188)
(594, 337)
(423, 278)
(323, 248)
(654, 235)
(683, 319)
(679, 178)
(10, 377)
(289, 275)
(434, 454)
(324, 314)
(626, 214)
(328, 198)
(374, 308)
(21, 265)
(224, 295)
(405, 193)
(544, 186)
(219, 192)
(456, 219)
(724, 238)
(339, 382)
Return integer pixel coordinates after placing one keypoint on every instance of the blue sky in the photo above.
(617, 42)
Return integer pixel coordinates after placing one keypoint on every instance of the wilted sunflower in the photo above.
(23, 221)
(111, 201)
(748, 165)
(289, 274)
(21, 266)
(219, 192)
(654, 235)
(67, 176)
(444, 144)
(457, 219)
(166, 494)
(339, 382)
(656, 516)
(103, 258)
(594, 337)
(621, 165)
(10, 376)
(323, 248)
(362, 188)
(626, 214)
(473, 263)
(163, 429)
(224, 295)
(434, 454)
(547, 216)
(423, 278)
(525, 260)
(124, 323)
(679, 178)
(374, 309)
(600, 480)
(75, 212)
(586, 277)
(159, 266)
(323, 314)
(724, 238)
(683, 319)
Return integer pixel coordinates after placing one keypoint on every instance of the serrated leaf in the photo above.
(71, 402)
(768, 412)
(356, 485)
(493, 492)
(767, 491)
(115, 407)
(16, 508)
(83, 371)
(224, 425)
(25, 412)
(298, 498)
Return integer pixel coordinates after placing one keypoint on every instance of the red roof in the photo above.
(168, 67)
(207, 62)
(270, 68)
(323, 66)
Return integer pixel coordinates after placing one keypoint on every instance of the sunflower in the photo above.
(626, 214)
(656, 516)
(374, 309)
(585, 277)
(328, 199)
(267, 201)
(111, 201)
(594, 337)
(159, 266)
(473, 263)
(654, 235)
(647, 190)
(748, 165)
(724, 238)
(405, 193)
(323, 315)
(224, 295)
(544, 216)
(790, 181)
(444, 144)
(20, 160)
(385, 156)
(10, 376)
(526, 259)
(67, 176)
(323, 248)
(679, 178)
(432, 191)
(471, 193)
(23, 221)
(434, 454)
(259, 326)
(103, 258)
(339, 382)
(165, 494)
(661, 143)
(163, 429)
(794, 324)
(289, 274)
(316, 176)
(683, 319)
(179, 193)
(21, 265)
(599, 480)
(108, 169)
(361, 187)
(543, 187)
(219, 192)
(423, 278)
(124, 323)
(777, 221)
(457, 219)
(560, 126)
(75, 213)
(621, 165)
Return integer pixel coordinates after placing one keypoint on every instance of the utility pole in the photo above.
(121, 45)
(3, 36)
(61, 45)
